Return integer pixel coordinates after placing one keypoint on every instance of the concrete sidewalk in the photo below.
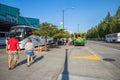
(46, 66)
(61, 63)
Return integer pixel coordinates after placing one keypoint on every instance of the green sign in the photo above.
(61, 25)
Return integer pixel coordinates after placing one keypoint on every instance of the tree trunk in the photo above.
(46, 43)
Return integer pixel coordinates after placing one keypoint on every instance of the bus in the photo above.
(22, 33)
(3, 37)
(114, 37)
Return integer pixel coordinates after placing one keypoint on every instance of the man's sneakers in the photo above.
(9, 68)
(14, 66)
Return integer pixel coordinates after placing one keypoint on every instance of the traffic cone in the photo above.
(39, 49)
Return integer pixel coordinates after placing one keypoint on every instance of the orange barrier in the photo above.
(39, 49)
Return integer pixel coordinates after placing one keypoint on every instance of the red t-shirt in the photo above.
(12, 43)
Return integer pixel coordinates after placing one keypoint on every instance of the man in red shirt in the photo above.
(12, 48)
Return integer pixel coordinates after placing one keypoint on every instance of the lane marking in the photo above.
(91, 51)
(90, 57)
(93, 56)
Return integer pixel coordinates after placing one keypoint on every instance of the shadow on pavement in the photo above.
(25, 60)
(37, 59)
(65, 73)
(22, 62)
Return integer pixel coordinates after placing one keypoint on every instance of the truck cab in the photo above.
(79, 39)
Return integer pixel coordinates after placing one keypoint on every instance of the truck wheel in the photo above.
(74, 44)
(83, 44)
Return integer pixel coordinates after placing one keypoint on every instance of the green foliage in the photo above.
(48, 29)
(118, 13)
(111, 24)
(62, 34)
(93, 33)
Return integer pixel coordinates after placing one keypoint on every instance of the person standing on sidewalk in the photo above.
(29, 50)
(12, 49)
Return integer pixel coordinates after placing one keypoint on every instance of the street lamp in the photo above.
(78, 27)
(63, 15)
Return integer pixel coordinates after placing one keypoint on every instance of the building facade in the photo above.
(28, 21)
(10, 16)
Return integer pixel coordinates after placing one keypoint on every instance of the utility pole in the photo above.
(63, 15)
(78, 27)
(63, 18)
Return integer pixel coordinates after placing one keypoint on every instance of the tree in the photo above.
(59, 34)
(62, 34)
(46, 29)
(118, 20)
(111, 24)
(118, 13)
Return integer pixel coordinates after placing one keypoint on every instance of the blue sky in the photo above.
(86, 13)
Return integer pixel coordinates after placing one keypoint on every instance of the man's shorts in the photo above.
(13, 55)
(29, 53)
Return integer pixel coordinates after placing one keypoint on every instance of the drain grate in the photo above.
(108, 59)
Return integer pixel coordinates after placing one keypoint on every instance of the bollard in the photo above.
(39, 49)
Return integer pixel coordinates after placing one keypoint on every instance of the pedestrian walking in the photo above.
(12, 49)
(29, 50)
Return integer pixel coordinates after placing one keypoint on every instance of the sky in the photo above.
(85, 14)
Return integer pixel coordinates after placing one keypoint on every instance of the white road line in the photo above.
(92, 52)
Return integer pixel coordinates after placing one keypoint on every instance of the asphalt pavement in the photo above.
(65, 63)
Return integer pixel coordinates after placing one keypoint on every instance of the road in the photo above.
(95, 61)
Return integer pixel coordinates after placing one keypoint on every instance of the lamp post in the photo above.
(63, 18)
(63, 15)
(78, 27)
